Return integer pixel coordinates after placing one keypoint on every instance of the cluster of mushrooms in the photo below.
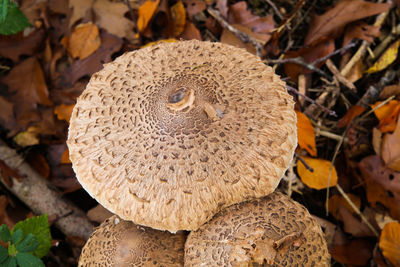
(191, 136)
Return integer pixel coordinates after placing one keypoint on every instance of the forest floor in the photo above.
(338, 58)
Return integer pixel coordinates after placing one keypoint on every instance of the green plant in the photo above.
(27, 242)
(12, 20)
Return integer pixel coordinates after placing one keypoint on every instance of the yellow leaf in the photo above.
(27, 138)
(319, 178)
(84, 41)
(389, 242)
(386, 59)
(305, 134)
(387, 115)
(146, 12)
(63, 112)
(178, 15)
(391, 149)
(171, 40)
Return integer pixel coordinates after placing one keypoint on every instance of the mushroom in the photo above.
(168, 135)
(272, 231)
(122, 243)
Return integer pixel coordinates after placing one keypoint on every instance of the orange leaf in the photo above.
(63, 112)
(65, 157)
(305, 134)
(146, 12)
(84, 41)
(336, 200)
(391, 149)
(178, 15)
(387, 115)
(353, 112)
(389, 242)
(319, 178)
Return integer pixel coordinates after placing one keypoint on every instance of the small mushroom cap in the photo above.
(272, 231)
(168, 135)
(120, 243)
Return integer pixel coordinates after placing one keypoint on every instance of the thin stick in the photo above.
(244, 37)
(375, 108)
(277, 12)
(308, 167)
(338, 51)
(330, 112)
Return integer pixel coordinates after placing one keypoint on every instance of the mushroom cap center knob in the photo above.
(181, 99)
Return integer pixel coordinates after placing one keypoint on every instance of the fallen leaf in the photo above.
(178, 15)
(146, 12)
(110, 16)
(8, 173)
(222, 6)
(109, 45)
(30, 137)
(171, 40)
(323, 176)
(63, 112)
(79, 9)
(99, 214)
(389, 242)
(352, 224)
(382, 219)
(4, 218)
(388, 57)
(356, 72)
(84, 41)
(377, 141)
(332, 22)
(68, 184)
(355, 252)
(390, 90)
(360, 30)
(7, 118)
(305, 134)
(13, 46)
(391, 149)
(309, 55)
(194, 7)
(337, 200)
(387, 115)
(383, 184)
(65, 157)
(351, 113)
(191, 32)
(39, 163)
(29, 91)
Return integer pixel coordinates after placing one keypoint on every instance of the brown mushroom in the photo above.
(121, 243)
(272, 231)
(168, 135)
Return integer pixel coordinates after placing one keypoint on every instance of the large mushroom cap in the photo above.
(119, 243)
(168, 135)
(272, 231)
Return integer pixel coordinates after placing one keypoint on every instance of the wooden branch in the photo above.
(42, 197)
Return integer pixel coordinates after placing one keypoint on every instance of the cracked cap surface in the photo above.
(168, 135)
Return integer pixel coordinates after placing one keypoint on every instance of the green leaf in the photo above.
(28, 244)
(16, 236)
(12, 250)
(14, 21)
(5, 234)
(39, 227)
(28, 260)
(10, 262)
(3, 254)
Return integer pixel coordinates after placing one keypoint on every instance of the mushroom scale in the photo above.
(122, 243)
(168, 135)
(272, 231)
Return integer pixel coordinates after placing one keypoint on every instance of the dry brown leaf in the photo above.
(377, 141)
(99, 214)
(337, 200)
(387, 115)
(79, 9)
(390, 90)
(178, 15)
(194, 7)
(63, 112)
(146, 12)
(30, 90)
(351, 113)
(332, 22)
(323, 176)
(4, 218)
(360, 30)
(39, 163)
(84, 41)
(191, 32)
(356, 252)
(8, 173)
(353, 224)
(7, 119)
(305, 134)
(356, 72)
(389, 242)
(110, 16)
(383, 184)
(391, 149)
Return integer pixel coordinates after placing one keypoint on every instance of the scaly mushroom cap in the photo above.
(120, 243)
(168, 135)
(272, 231)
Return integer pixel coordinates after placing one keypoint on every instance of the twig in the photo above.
(330, 112)
(300, 61)
(338, 51)
(308, 167)
(277, 12)
(2, 67)
(244, 37)
(329, 135)
(375, 108)
(343, 80)
(42, 197)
